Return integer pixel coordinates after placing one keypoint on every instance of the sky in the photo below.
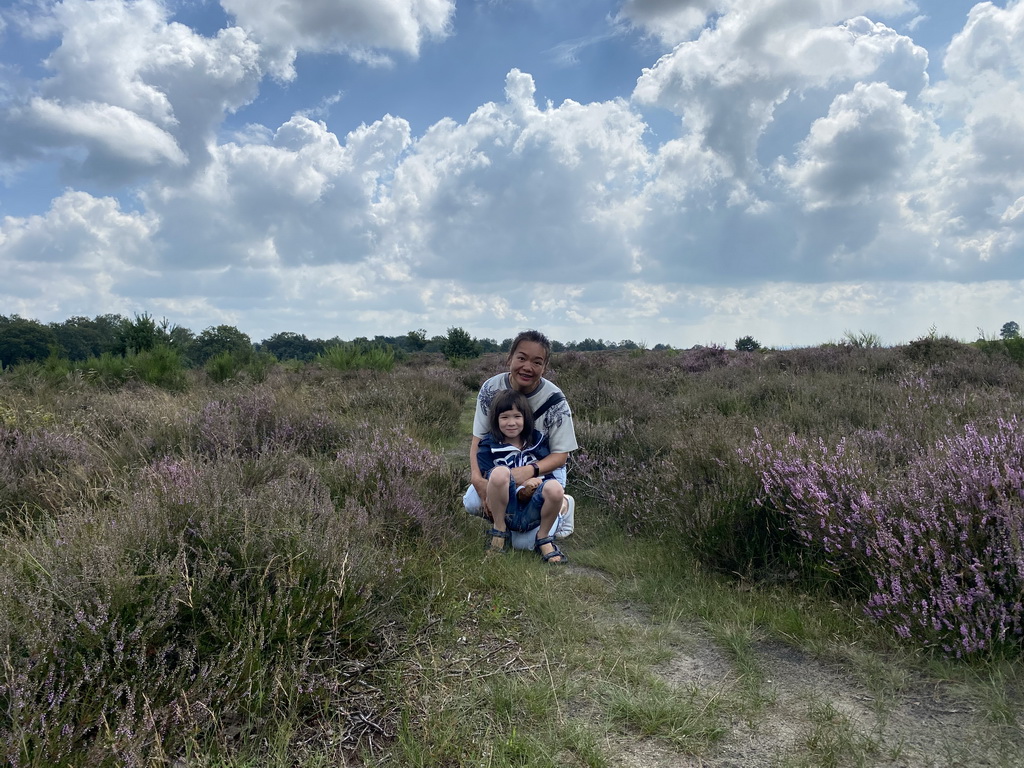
(673, 172)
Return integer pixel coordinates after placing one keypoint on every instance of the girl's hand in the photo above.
(527, 489)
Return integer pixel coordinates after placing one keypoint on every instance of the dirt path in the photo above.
(816, 713)
(811, 712)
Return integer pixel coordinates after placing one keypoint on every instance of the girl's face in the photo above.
(510, 423)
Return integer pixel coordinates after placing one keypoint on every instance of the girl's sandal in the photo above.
(497, 542)
(549, 558)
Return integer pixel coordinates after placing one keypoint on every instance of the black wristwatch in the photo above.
(536, 468)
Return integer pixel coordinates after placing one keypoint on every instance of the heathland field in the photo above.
(811, 557)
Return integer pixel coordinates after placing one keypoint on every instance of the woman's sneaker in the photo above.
(566, 518)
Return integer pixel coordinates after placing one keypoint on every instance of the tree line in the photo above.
(23, 340)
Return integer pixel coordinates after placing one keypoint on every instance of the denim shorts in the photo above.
(563, 526)
(523, 517)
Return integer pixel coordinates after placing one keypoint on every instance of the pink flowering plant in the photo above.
(937, 543)
(212, 569)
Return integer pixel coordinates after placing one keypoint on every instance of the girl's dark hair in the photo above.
(506, 400)
(536, 337)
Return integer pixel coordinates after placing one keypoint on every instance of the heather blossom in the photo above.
(938, 543)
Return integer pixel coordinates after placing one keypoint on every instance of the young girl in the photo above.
(513, 442)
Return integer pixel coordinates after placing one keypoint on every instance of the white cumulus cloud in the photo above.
(128, 90)
(356, 27)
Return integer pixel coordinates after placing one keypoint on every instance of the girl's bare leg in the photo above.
(497, 502)
(553, 494)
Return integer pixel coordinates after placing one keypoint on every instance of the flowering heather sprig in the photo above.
(217, 591)
(810, 482)
(953, 543)
(403, 485)
(37, 465)
(939, 541)
(255, 422)
(174, 480)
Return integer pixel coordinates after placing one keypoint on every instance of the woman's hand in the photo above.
(481, 491)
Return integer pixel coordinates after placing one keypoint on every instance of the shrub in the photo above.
(251, 423)
(936, 536)
(349, 357)
(747, 344)
(222, 367)
(106, 369)
(459, 345)
(933, 349)
(861, 339)
(198, 604)
(259, 365)
(1011, 347)
(407, 489)
(41, 470)
(160, 366)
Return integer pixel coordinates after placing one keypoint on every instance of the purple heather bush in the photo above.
(201, 601)
(935, 536)
(255, 421)
(660, 439)
(235, 567)
(41, 469)
(406, 489)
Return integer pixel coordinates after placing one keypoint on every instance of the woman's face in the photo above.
(526, 366)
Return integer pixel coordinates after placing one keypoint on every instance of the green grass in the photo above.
(831, 741)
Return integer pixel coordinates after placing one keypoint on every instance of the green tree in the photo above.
(141, 334)
(80, 338)
(589, 345)
(747, 344)
(287, 345)
(181, 340)
(459, 345)
(220, 340)
(1010, 330)
(488, 345)
(24, 341)
(416, 340)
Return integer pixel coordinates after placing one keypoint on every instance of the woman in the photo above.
(527, 361)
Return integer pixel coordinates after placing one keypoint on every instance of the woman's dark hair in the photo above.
(506, 400)
(536, 337)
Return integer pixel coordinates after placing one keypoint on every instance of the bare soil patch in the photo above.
(817, 712)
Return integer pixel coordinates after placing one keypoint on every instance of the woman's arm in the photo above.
(548, 464)
(476, 477)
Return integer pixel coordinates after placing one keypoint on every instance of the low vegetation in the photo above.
(254, 563)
